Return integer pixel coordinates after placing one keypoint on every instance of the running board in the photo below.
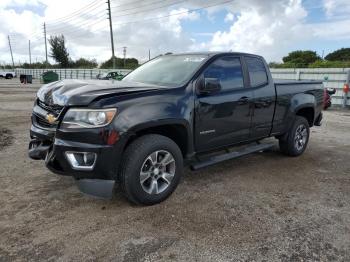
(235, 154)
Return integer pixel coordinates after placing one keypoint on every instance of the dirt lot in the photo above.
(263, 207)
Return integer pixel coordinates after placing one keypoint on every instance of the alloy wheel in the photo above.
(157, 172)
(300, 138)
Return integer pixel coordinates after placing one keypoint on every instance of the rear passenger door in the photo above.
(223, 118)
(263, 88)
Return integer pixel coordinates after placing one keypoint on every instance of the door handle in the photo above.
(243, 100)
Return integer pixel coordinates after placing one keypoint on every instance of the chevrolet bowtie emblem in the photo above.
(50, 118)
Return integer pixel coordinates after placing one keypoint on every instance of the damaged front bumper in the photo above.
(94, 166)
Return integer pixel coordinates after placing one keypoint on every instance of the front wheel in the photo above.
(295, 141)
(151, 171)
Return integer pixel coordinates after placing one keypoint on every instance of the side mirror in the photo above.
(210, 85)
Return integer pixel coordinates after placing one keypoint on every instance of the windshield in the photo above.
(170, 70)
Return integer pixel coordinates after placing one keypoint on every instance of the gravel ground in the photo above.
(263, 207)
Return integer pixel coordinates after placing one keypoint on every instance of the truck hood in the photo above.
(82, 92)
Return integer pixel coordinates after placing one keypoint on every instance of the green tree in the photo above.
(130, 63)
(59, 51)
(330, 64)
(301, 58)
(38, 65)
(342, 54)
(84, 63)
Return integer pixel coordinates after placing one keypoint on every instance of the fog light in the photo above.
(81, 160)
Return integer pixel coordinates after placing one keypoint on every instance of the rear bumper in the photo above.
(45, 146)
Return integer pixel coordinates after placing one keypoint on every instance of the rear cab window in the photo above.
(257, 71)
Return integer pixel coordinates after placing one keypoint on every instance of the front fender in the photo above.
(156, 111)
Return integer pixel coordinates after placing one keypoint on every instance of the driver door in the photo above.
(223, 117)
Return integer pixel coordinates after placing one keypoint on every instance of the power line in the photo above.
(55, 22)
(63, 29)
(153, 8)
(82, 18)
(98, 28)
(145, 4)
(129, 3)
(78, 27)
(174, 14)
(152, 18)
(87, 7)
(82, 23)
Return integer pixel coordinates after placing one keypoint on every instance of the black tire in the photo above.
(137, 157)
(294, 143)
(9, 76)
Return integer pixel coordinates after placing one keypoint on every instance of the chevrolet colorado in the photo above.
(175, 109)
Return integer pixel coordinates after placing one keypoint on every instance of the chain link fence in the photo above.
(68, 73)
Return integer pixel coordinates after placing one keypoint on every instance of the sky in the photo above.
(270, 28)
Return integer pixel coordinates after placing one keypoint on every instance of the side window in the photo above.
(257, 71)
(228, 70)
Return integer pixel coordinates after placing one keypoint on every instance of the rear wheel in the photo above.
(151, 171)
(295, 141)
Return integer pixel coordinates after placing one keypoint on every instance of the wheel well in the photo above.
(308, 113)
(176, 132)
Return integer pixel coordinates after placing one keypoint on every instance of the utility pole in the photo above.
(13, 64)
(124, 53)
(45, 42)
(111, 30)
(30, 54)
(149, 54)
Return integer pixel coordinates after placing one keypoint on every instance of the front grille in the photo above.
(54, 109)
(43, 123)
(39, 119)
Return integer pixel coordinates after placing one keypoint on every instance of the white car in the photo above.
(7, 74)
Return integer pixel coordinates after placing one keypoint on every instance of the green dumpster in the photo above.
(49, 77)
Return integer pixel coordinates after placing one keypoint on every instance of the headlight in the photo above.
(88, 118)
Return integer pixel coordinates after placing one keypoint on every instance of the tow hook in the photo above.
(37, 149)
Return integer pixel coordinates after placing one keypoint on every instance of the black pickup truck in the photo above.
(175, 109)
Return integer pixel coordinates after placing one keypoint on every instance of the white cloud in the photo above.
(336, 8)
(335, 30)
(229, 17)
(274, 28)
(267, 29)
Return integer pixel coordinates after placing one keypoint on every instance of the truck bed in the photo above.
(295, 82)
